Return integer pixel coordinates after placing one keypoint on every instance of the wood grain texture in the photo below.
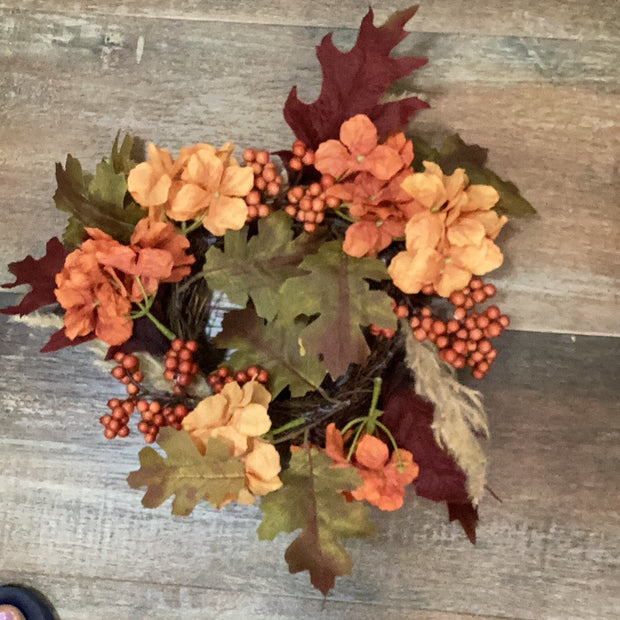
(558, 19)
(536, 83)
(547, 109)
(71, 525)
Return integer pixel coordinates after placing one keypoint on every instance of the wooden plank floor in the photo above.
(536, 83)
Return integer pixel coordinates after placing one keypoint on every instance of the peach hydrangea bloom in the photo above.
(201, 183)
(358, 150)
(94, 298)
(238, 415)
(369, 184)
(98, 281)
(451, 237)
(385, 477)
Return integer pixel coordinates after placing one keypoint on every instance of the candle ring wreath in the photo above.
(292, 330)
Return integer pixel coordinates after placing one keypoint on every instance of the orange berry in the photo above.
(299, 148)
(453, 326)
(449, 355)
(273, 188)
(504, 320)
(427, 324)
(493, 312)
(427, 289)
(426, 311)
(479, 296)
(475, 334)
(263, 210)
(332, 202)
(262, 157)
(315, 189)
(439, 327)
(419, 334)
(475, 284)
(460, 346)
(457, 298)
(253, 198)
(295, 164)
(493, 330)
(490, 290)
(248, 155)
(309, 227)
(269, 174)
(460, 313)
(442, 342)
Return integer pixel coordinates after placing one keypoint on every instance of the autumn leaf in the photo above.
(187, 474)
(336, 289)
(273, 346)
(256, 267)
(40, 275)
(454, 153)
(130, 153)
(312, 500)
(409, 418)
(59, 340)
(96, 201)
(354, 83)
(467, 515)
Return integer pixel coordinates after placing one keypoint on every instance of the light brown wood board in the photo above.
(543, 101)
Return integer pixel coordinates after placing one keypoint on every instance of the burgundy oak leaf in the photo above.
(409, 418)
(59, 340)
(354, 82)
(40, 274)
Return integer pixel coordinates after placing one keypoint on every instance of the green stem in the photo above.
(373, 412)
(345, 216)
(285, 427)
(384, 428)
(145, 310)
(360, 428)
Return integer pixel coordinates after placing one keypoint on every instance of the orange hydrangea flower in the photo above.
(358, 150)
(451, 237)
(385, 477)
(238, 415)
(201, 183)
(94, 298)
(98, 281)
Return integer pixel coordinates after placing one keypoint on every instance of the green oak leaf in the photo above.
(130, 153)
(311, 499)
(454, 153)
(336, 289)
(187, 474)
(274, 346)
(257, 267)
(95, 201)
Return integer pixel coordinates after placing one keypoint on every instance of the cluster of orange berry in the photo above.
(154, 417)
(179, 365)
(302, 156)
(115, 423)
(267, 183)
(179, 369)
(220, 377)
(307, 204)
(465, 339)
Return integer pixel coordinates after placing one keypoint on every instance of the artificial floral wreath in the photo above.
(292, 331)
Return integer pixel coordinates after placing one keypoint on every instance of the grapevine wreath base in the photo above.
(294, 328)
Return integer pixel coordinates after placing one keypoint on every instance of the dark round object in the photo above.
(32, 604)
